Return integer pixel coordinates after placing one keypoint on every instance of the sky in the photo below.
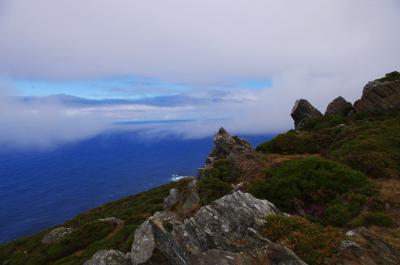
(211, 63)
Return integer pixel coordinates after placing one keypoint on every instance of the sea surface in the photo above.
(42, 188)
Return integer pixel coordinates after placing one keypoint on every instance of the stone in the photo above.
(339, 106)
(109, 257)
(228, 231)
(364, 247)
(379, 96)
(56, 235)
(185, 201)
(172, 199)
(112, 220)
(302, 111)
(225, 145)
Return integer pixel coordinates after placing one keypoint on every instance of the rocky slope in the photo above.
(325, 193)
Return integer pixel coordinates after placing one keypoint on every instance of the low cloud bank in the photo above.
(50, 121)
(43, 125)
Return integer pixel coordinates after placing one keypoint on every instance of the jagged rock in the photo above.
(185, 201)
(109, 257)
(365, 248)
(225, 144)
(112, 220)
(172, 199)
(379, 95)
(302, 111)
(56, 235)
(224, 232)
(338, 106)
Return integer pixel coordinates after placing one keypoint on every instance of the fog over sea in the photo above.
(42, 188)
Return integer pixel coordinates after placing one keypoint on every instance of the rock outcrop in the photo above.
(109, 257)
(379, 95)
(56, 235)
(364, 247)
(226, 145)
(339, 106)
(302, 111)
(224, 232)
(186, 201)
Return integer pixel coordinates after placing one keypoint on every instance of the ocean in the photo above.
(42, 188)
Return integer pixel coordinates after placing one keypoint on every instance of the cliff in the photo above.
(325, 193)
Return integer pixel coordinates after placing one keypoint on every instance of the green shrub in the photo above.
(371, 146)
(290, 143)
(316, 183)
(221, 170)
(211, 188)
(311, 242)
(377, 219)
(393, 76)
(324, 122)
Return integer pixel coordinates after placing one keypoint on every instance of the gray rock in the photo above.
(339, 106)
(224, 232)
(109, 257)
(56, 235)
(153, 235)
(185, 201)
(172, 199)
(365, 248)
(112, 220)
(302, 111)
(379, 96)
(225, 144)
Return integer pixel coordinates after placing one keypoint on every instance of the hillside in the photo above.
(327, 192)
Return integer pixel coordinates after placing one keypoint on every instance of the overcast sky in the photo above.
(245, 61)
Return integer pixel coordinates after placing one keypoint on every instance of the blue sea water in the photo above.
(42, 188)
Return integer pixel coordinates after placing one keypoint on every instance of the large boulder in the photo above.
(302, 111)
(228, 231)
(380, 95)
(56, 235)
(109, 257)
(338, 106)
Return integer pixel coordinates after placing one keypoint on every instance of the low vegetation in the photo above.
(370, 143)
(311, 242)
(216, 181)
(324, 190)
(393, 76)
(90, 235)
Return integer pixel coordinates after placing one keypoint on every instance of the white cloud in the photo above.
(33, 125)
(308, 49)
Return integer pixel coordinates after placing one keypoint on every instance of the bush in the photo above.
(221, 170)
(393, 76)
(371, 146)
(314, 183)
(377, 219)
(211, 188)
(324, 122)
(311, 242)
(290, 143)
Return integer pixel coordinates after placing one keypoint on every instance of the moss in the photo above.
(311, 242)
(314, 184)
